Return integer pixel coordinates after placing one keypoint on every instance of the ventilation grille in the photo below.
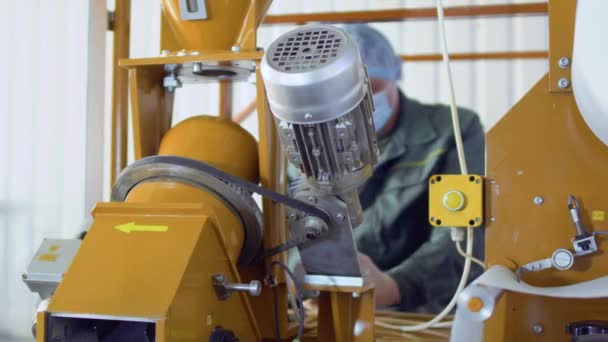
(306, 50)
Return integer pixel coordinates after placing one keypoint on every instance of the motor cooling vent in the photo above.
(306, 50)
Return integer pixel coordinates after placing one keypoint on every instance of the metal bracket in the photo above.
(193, 9)
(110, 25)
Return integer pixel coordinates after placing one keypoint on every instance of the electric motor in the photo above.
(320, 96)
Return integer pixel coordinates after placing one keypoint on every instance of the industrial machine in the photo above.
(184, 253)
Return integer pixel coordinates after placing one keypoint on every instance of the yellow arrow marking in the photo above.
(132, 227)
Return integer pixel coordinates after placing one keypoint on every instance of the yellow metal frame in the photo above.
(554, 155)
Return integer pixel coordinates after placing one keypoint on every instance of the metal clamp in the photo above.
(223, 289)
(583, 242)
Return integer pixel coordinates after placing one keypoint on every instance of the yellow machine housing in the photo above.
(151, 259)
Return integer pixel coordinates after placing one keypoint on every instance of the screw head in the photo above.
(538, 200)
(197, 67)
(312, 199)
(538, 328)
(563, 62)
(307, 116)
(339, 217)
(563, 83)
(236, 48)
(165, 53)
(24, 276)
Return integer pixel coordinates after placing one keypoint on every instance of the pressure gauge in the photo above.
(562, 259)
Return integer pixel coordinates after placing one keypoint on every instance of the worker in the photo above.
(415, 267)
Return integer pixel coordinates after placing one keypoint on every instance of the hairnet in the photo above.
(376, 52)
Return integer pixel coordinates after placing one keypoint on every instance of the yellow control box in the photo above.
(456, 200)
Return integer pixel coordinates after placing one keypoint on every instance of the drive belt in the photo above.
(234, 181)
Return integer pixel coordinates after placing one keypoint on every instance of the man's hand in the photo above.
(387, 291)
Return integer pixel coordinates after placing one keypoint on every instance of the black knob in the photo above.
(222, 335)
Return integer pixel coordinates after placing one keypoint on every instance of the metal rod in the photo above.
(120, 89)
(246, 112)
(538, 8)
(250, 108)
(477, 56)
(225, 99)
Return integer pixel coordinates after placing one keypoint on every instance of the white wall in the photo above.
(50, 138)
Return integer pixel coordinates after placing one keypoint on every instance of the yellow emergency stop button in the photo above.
(453, 200)
(475, 304)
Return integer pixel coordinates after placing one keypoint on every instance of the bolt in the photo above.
(293, 216)
(165, 53)
(307, 116)
(339, 217)
(236, 48)
(564, 62)
(563, 83)
(492, 218)
(255, 288)
(181, 52)
(312, 199)
(312, 234)
(538, 200)
(538, 328)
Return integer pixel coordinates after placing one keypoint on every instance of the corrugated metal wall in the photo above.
(49, 170)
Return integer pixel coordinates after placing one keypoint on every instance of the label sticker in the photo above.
(597, 215)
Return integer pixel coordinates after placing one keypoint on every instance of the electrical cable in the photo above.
(473, 259)
(449, 307)
(299, 295)
(464, 170)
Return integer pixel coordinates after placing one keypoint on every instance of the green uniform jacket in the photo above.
(395, 232)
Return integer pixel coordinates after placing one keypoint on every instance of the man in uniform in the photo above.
(415, 267)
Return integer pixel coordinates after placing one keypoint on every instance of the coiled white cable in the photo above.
(436, 321)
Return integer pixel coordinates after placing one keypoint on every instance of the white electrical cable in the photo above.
(463, 169)
(473, 259)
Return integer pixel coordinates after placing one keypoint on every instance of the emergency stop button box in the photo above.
(456, 200)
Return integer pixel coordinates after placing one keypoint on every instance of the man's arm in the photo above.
(431, 275)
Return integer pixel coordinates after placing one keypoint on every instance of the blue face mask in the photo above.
(383, 110)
